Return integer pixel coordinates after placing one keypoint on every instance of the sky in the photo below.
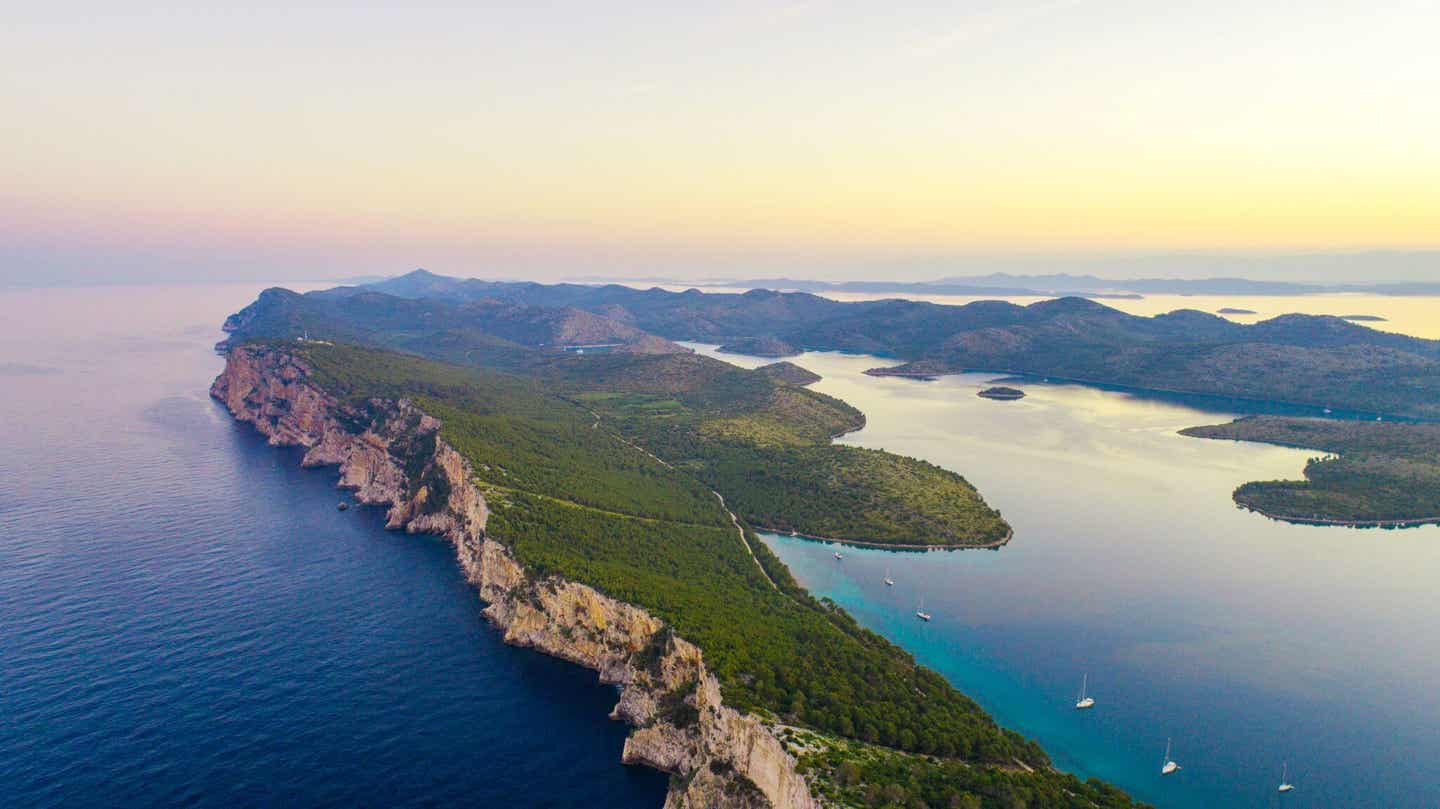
(739, 139)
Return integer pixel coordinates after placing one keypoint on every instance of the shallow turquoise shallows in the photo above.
(186, 619)
(1248, 642)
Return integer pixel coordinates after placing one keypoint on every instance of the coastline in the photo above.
(860, 543)
(927, 376)
(717, 757)
(1397, 523)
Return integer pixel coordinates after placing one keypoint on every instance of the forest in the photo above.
(571, 496)
(1375, 472)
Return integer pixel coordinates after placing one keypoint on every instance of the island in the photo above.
(605, 506)
(1363, 318)
(1230, 310)
(1002, 393)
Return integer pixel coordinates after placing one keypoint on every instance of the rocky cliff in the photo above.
(716, 756)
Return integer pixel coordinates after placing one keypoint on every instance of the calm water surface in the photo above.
(1249, 642)
(187, 620)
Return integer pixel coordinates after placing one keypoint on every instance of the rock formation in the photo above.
(716, 756)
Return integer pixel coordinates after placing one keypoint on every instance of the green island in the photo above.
(562, 454)
(1376, 472)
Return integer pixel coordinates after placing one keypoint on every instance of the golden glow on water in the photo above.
(1229, 631)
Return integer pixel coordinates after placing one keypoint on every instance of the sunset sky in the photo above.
(627, 138)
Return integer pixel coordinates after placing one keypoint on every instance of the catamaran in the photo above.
(921, 613)
(1084, 701)
(1169, 767)
(1285, 785)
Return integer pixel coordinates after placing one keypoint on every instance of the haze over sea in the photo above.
(1249, 642)
(188, 620)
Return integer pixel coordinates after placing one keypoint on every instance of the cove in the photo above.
(1249, 642)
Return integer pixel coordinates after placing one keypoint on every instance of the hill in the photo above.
(1314, 360)
(1377, 473)
(570, 496)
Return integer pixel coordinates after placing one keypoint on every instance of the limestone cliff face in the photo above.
(717, 757)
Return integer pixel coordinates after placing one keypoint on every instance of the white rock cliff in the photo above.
(716, 756)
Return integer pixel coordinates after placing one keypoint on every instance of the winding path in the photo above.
(735, 521)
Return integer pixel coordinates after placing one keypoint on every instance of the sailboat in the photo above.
(1084, 701)
(839, 555)
(921, 613)
(1169, 767)
(1285, 785)
(889, 582)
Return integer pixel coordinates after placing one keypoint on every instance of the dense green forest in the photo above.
(767, 447)
(861, 776)
(1378, 472)
(572, 498)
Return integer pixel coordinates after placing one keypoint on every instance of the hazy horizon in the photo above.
(1335, 268)
(808, 139)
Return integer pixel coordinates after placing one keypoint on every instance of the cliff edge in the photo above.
(715, 755)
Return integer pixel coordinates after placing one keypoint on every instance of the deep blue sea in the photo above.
(187, 620)
(1248, 642)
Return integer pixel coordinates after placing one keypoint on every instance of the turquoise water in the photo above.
(187, 620)
(1249, 642)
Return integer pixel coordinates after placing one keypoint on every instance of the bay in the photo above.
(1247, 641)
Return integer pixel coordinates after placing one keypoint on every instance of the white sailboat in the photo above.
(921, 613)
(1084, 701)
(839, 555)
(889, 582)
(1169, 767)
(1285, 785)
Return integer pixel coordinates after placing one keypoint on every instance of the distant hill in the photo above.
(1307, 359)
(789, 373)
(767, 346)
(364, 315)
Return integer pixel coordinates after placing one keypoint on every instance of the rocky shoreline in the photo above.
(715, 755)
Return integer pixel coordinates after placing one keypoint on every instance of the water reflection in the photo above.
(1248, 641)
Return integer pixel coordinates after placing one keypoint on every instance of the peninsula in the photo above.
(1375, 473)
(603, 503)
(1316, 361)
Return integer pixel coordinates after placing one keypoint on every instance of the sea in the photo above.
(1253, 648)
(186, 619)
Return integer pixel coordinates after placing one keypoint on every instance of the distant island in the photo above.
(1003, 393)
(1364, 318)
(1228, 310)
(1134, 277)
